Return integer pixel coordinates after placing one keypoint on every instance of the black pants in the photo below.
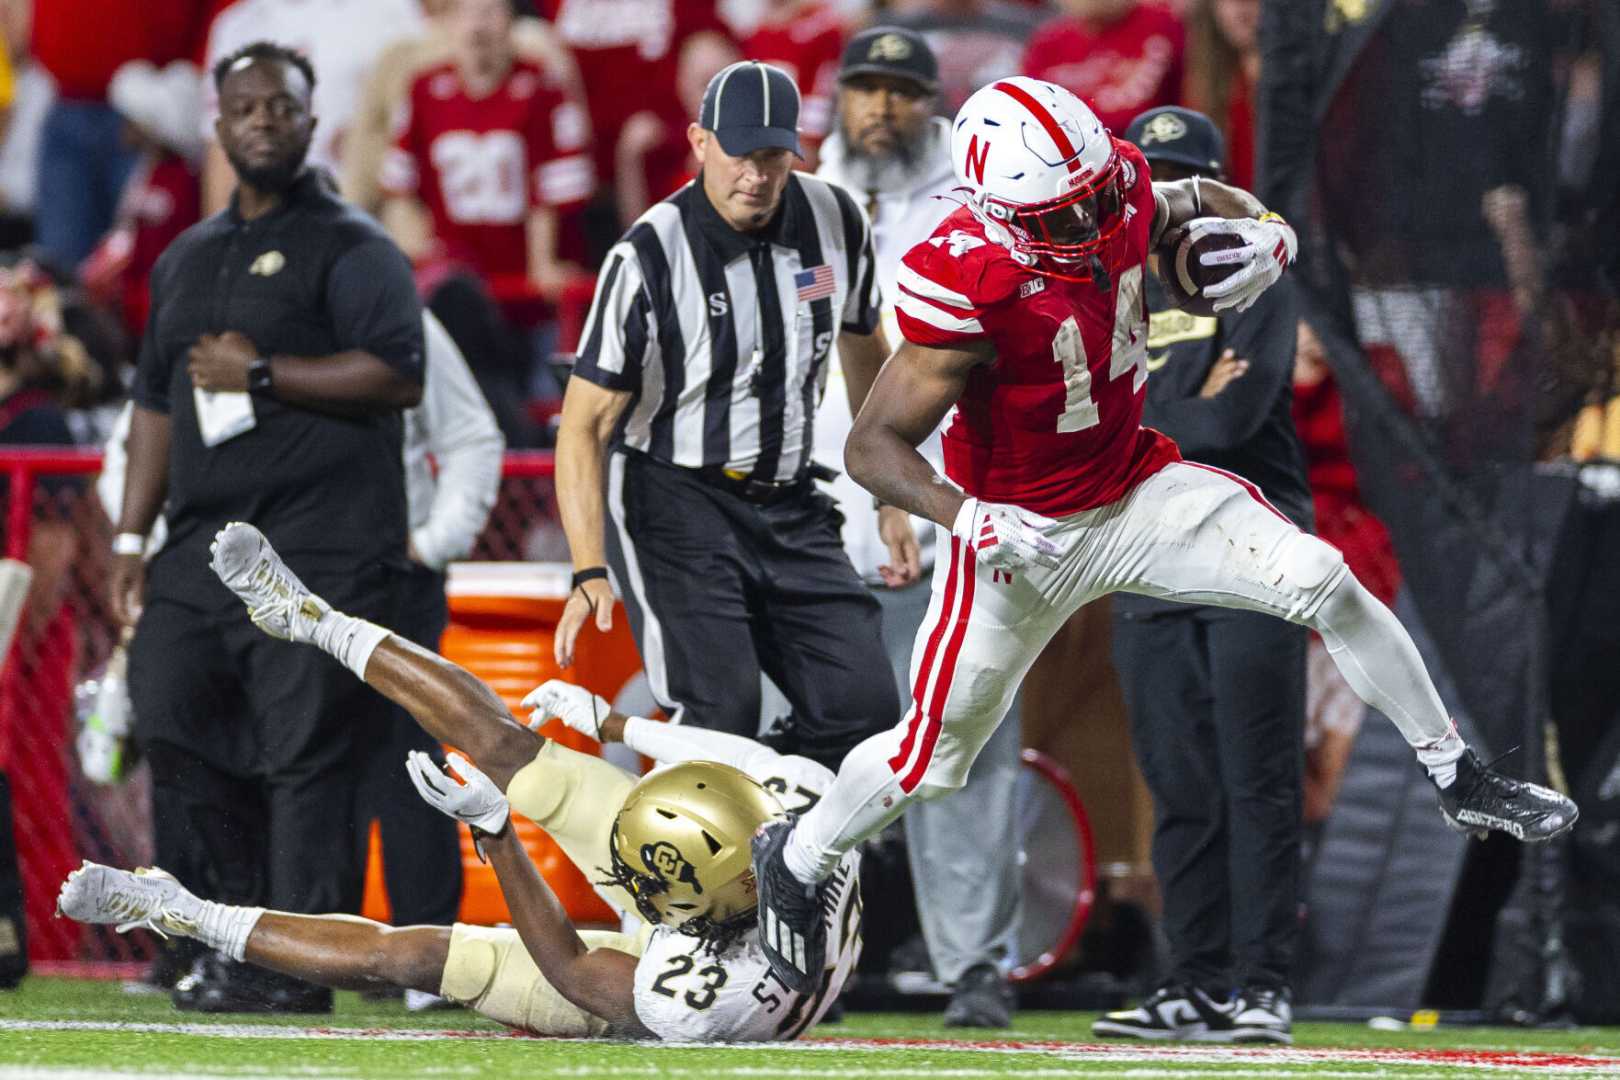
(252, 743)
(421, 849)
(1217, 705)
(720, 589)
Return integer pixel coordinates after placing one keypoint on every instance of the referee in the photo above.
(693, 398)
(1216, 696)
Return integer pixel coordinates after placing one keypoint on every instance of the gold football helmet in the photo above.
(681, 847)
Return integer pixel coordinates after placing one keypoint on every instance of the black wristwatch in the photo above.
(260, 379)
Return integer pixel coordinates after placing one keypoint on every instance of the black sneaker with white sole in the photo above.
(1263, 1014)
(791, 926)
(1170, 1013)
(1482, 799)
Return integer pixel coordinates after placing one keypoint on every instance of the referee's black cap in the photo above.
(1171, 133)
(893, 51)
(752, 106)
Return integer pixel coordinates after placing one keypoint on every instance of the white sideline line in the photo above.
(1266, 1059)
(586, 1071)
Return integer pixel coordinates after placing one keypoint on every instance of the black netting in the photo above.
(1451, 165)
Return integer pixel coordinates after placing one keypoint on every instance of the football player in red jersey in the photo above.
(1024, 312)
(494, 150)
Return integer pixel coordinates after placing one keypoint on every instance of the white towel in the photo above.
(223, 414)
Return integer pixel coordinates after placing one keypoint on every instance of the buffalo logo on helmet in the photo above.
(1166, 127)
(890, 47)
(666, 860)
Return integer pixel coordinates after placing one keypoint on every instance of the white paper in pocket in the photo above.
(223, 414)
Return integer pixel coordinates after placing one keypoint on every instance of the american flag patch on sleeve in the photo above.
(814, 283)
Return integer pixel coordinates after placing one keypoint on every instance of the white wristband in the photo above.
(128, 543)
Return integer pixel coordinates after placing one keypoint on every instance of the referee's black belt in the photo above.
(749, 488)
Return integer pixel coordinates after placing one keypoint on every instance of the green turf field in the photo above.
(59, 1028)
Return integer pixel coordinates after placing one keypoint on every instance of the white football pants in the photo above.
(1189, 532)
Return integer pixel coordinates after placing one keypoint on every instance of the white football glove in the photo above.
(475, 801)
(1269, 246)
(575, 706)
(1006, 537)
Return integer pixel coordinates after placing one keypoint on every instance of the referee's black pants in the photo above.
(1217, 706)
(421, 847)
(720, 588)
(253, 745)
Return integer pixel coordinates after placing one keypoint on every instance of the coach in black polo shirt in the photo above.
(284, 339)
(694, 397)
(1216, 696)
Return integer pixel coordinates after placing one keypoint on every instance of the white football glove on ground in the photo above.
(1270, 244)
(575, 706)
(476, 801)
(1006, 537)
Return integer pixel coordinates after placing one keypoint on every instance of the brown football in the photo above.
(1183, 271)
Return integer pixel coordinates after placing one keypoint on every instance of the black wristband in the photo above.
(590, 573)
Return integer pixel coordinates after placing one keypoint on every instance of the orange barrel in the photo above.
(503, 616)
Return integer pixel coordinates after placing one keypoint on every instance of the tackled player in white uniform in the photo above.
(671, 847)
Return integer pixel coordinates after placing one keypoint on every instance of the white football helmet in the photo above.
(1038, 163)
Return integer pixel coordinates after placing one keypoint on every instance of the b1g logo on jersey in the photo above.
(665, 859)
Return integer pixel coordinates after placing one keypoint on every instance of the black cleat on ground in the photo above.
(790, 913)
(982, 999)
(1482, 799)
(222, 985)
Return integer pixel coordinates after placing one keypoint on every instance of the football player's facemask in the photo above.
(681, 848)
(1068, 237)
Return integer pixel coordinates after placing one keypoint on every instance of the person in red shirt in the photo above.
(805, 38)
(82, 166)
(1120, 56)
(654, 156)
(628, 52)
(1223, 69)
(163, 197)
(495, 151)
(1025, 311)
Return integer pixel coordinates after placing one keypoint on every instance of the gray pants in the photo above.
(963, 847)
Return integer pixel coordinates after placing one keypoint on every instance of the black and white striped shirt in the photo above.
(722, 337)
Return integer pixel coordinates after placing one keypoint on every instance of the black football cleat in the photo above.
(1482, 799)
(791, 928)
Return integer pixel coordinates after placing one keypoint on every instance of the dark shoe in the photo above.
(1170, 1012)
(176, 958)
(1482, 799)
(791, 929)
(982, 999)
(221, 985)
(1263, 1014)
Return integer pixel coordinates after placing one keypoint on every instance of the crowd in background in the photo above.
(428, 109)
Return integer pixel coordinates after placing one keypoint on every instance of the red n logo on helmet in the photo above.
(976, 159)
